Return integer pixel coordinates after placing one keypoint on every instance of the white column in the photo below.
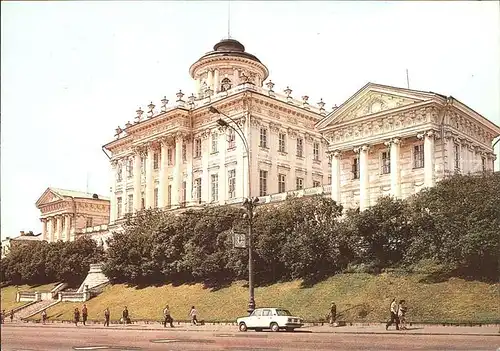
(112, 195)
(176, 184)
(162, 189)
(395, 168)
(222, 168)
(44, 229)
(137, 180)
(210, 80)
(336, 183)
(58, 234)
(124, 162)
(216, 81)
(149, 178)
(197, 87)
(364, 194)
(189, 178)
(205, 180)
(429, 177)
(67, 220)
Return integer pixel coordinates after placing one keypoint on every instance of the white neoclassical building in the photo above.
(381, 141)
(65, 214)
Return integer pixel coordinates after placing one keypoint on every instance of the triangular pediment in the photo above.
(47, 197)
(373, 99)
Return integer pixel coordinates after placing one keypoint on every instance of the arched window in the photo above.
(225, 84)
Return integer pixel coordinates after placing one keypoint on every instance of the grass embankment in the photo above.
(8, 298)
(359, 298)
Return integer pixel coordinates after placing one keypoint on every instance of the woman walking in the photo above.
(77, 316)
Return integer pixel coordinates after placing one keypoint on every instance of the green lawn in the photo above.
(359, 297)
(8, 294)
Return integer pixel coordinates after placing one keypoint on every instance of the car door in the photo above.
(254, 319)
(266, 318)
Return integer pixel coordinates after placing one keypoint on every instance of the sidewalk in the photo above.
(490, 330)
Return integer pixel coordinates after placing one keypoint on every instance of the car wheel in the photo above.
(289, 329)
(243, 327)
(275, 327)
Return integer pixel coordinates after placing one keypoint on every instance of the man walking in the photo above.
(333, 313)
(125, 318)
(167, 318)
(106, 317)
(84, 314)
(11, 316)
(193, 313)
(394, 315)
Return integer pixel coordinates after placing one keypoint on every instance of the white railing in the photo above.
(25, 296)
(73, 296)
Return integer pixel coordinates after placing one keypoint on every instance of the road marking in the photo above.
(164, 340)
(91, 348)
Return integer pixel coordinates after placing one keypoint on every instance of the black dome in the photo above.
(230, 47)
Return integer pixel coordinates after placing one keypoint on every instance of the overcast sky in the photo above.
(73, 71)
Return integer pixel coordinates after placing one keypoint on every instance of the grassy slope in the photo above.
(8, 298)
(361, 298)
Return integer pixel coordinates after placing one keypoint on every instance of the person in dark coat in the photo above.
(11, 316)
(333, 313)
(77, 316)
(106, 317)
(126, 319)
(84, 314)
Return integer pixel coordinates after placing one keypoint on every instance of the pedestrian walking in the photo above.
(84, 314)
(333, 313)
(402, 314)
(11, 316)
(167, 318)
(193, 313)
(106, 317)
(394, 315)
(77, 316)
(44, 316)
(125, 317)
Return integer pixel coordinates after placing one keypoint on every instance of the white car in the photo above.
(269, 318)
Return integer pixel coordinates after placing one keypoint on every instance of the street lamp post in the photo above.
(248, 203)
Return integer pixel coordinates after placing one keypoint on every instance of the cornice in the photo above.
(208, 60)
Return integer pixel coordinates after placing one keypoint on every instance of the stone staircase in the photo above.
(33, 309)
(95, 278)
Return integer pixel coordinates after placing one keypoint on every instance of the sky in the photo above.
(74, 71)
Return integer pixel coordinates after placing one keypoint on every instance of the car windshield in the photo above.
(283, 312)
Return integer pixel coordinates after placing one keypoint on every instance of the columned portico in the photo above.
(137, 180)
(44, 228)
(336, 184)
(162, 190)
(395, 167)
(149, 178)
(364, 195)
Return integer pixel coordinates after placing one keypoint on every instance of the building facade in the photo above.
(65, 214)
(382, 141)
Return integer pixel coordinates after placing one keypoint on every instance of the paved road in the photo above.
(39, 338)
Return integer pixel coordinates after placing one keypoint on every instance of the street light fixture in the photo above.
(248, 203)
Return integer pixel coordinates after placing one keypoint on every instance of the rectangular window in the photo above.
(418, 156)
(143, 202)
(118, 207)
(263, 137)
(215, 143)
(170, 157)
(483, 160)
(263, 183)
(214, 186)
(156, 198)
(231, 139)
(300, 147)
(282, 142)
(130, 204)
(316, 183)
(197, 148)
(281, 183)
(457, 157)
(386, 162)
(355, 169)
(130, 168)
(89, 222)
(184, 152)
(155, 160)
(329, 179)
(119, 177)
(299, 183)
(183, 192)
(231, 178)
(197, 190)
(169, 196)
(316, 151)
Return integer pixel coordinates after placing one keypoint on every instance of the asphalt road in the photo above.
(39, 338)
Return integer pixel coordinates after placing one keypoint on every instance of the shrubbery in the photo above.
(42, 262)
